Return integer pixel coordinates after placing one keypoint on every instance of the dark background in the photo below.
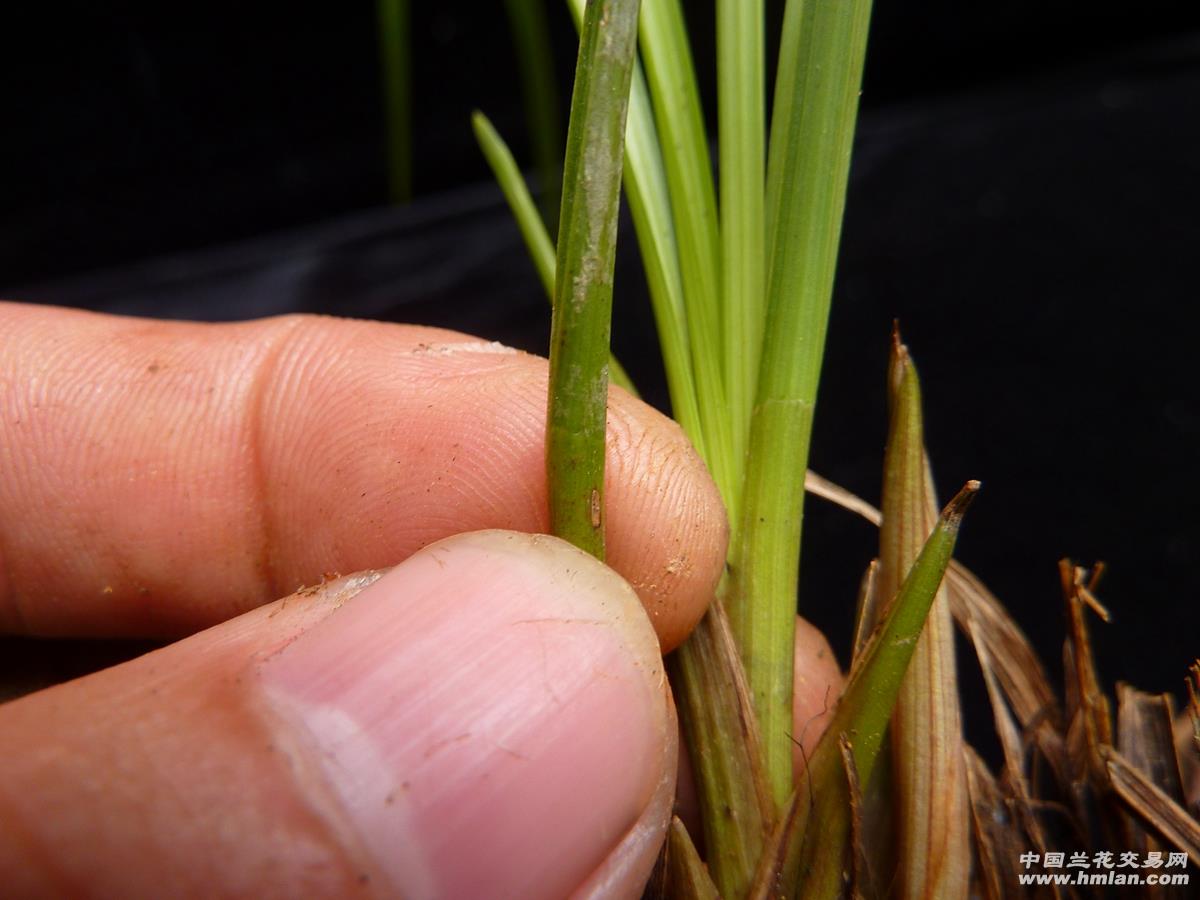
(1023, 197)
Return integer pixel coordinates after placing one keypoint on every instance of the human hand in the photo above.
(488, 718)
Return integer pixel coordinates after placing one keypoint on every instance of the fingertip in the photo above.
(260, 455)
(497, 691)
(667, 525)
(817, 685)
(489, 718)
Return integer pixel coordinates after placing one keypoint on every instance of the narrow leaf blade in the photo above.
(535, 62)
(520, 201)
(529, 222)
(823, 836)
(680, 123)
(741, 133)
(812, 128)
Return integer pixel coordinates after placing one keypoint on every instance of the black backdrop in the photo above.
(1023, 197)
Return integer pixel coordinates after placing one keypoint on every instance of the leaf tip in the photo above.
(957, 508)
(480, 124)
(900, 362)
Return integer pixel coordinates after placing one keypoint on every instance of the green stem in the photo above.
(584, 271)
(650, 206)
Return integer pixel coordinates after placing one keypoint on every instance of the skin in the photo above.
(172, 479)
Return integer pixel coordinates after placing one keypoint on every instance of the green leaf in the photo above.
(820, 810)
(742, 136)
(650, 206)
(812, 129)
(675, 100)
(806, 854)
(395, 51)
(535, 62)
(524, 210)
(520, 201)
(582, 316)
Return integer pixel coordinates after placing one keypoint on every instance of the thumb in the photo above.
(489, 718)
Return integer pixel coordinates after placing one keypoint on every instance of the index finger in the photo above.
(159, 477)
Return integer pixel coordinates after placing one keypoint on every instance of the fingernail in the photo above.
(491, 715)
